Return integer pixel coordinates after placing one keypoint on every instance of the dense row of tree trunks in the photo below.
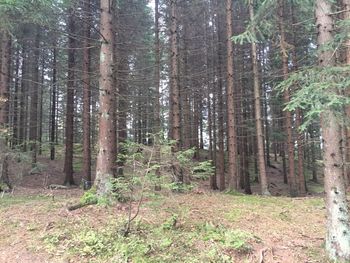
(106, 156)
(338, 228)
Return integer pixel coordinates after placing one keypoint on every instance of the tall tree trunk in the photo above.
(338, 228)
(22, 130)
(5, 84)
(258, 115)
(105, 166)
(16, 109)
(53, 103)
(69, 132)
(286, 97)
(299, 115)
(175, 92)
(157, 124)
(220, 156)
(346, 8)
(87, 97)
(40, 121)
(231, 127)
(33, 122)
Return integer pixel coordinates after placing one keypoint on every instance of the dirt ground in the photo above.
(287, 230)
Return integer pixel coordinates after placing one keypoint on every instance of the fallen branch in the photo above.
(80, 205)
(57, 186)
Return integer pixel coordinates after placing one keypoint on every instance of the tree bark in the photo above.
(87, 96)
(346, 7)
(231, 127)
(258, 115)
(53, 103)
(69, 131)
(105, 166)
(15, 101)
(175, 94)
(338, 228)
(157, 124)
(286, 97)
(299, 114)
(34, 95)
(5, 83)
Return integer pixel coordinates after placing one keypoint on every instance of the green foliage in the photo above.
(179, 187)
(321, 89)
(262, 24)
(234, 239)
(171, 222)
(89, 197)
(203, 170)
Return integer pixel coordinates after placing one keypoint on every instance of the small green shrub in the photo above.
(171, 222)
(235, 239)
(89, 197)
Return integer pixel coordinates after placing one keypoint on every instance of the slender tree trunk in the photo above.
(157, 124)
(286, 97)
(33, 122)
(16, 109)
(258, 115)
(105, 166)
(53, 103)
(22, 130)
(338, 228)
(231, 127)
(69, 133)
(220, 156)
(40, 122)
(298, 117)
(87, 97)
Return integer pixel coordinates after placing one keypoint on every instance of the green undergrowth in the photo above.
(209, 227)
(169, 241)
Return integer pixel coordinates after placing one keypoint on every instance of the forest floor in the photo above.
(197, 226)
